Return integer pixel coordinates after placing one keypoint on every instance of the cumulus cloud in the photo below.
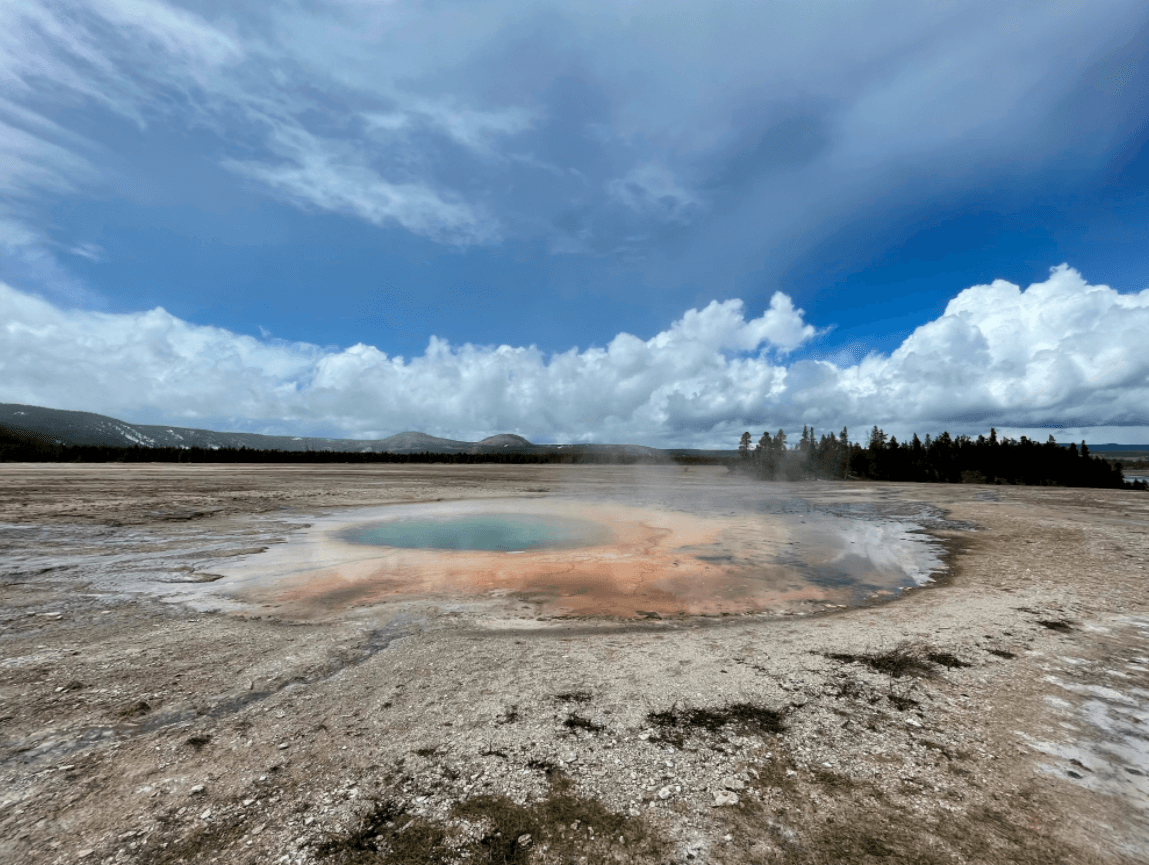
(1060, 353)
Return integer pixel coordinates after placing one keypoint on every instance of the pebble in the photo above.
(282, 746)
(724, 798)
(196, 790)
(84, 854)
(524, 840)
(665, 793)
(732, 783)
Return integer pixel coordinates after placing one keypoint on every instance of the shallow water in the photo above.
(692, 547)
(502, 532)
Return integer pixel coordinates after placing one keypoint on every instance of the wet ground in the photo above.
(628, 559)
(661, 544)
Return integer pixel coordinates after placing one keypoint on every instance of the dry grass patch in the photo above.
(495, 830)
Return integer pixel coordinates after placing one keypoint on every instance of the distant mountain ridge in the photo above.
(87, 428)
(59, 426)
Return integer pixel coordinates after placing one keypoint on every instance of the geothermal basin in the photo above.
(628, 554)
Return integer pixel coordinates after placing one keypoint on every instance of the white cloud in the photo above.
(1060, 354)
(336, 177)
(654, 191)
(148, 60)
(88, 250)
(471, 128)
(705, 92)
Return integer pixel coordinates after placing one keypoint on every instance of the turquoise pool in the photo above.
(494, 532)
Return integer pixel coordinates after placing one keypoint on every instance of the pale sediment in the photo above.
(995, 717)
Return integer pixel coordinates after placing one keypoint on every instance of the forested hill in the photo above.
(944, 459)
(58, 426)
(37, 434)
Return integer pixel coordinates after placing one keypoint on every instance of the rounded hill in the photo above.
(505, 440)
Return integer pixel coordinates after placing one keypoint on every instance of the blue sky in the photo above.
(355, 218)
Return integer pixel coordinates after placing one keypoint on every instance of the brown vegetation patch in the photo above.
(496, 831)
(907, 659)
(573, 697)
(574, 721)
(675, 723)
(386, 835)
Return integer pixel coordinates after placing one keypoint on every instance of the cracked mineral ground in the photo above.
(207, 664)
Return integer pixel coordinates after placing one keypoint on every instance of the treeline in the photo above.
(15, 447)
(945, 459)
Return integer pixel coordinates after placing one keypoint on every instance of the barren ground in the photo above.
(1000, 715)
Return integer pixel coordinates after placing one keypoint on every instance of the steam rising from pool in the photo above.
(689, 545)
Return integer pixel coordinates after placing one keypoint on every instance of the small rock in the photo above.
(282, 746)
(732, 783)
(84, 854)
(524, 840)
(196, 790)
(206, 815)
(724, 798)
(665, 793)
(570, 757)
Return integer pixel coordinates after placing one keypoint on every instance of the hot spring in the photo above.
(690, 546)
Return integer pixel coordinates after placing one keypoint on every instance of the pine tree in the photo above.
(744, 445)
